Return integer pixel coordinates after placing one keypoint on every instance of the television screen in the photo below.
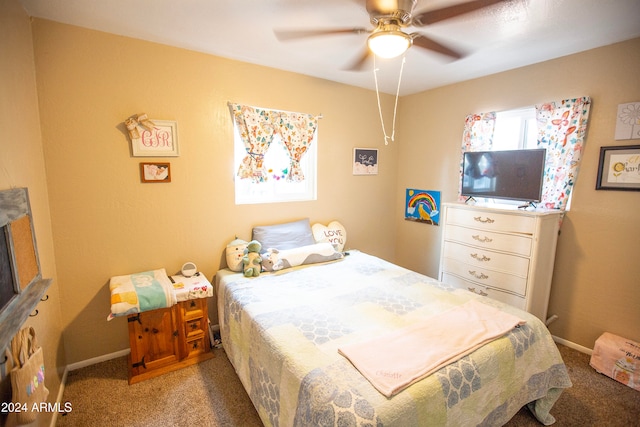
(509, 174)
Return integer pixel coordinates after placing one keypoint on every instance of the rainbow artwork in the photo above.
(422, 206)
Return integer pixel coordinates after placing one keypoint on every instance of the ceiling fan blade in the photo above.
(284, 35)
(425, 42)
(359, 63)
(437, 15)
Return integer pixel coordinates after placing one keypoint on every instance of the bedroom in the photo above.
(70, 88)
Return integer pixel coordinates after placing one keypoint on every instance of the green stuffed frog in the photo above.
(252, 261)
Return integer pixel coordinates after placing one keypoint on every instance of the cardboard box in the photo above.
(618, 358)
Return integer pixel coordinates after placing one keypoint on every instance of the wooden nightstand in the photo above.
(167, 339)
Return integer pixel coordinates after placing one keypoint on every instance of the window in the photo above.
(275, 187)
(515, 129)
(557, 126)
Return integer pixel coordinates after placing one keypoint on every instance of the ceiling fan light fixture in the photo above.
(389, 43)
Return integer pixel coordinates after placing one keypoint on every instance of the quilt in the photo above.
(282, 331)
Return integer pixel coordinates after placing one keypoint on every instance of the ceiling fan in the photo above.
(390, 17)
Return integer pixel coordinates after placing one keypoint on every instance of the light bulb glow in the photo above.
(389, 44)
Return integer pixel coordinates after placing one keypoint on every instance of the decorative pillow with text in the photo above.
(334, 233)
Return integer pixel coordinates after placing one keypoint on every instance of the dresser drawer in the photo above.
(479, 257)
(507, 298)
(493, 221)
(485, 276)
(514, 243)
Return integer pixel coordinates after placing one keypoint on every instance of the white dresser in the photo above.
(505, 254)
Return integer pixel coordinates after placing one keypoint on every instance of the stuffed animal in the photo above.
(252, 261)
(235, 253)
(271, 261)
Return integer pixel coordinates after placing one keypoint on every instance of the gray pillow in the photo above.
(289, 235)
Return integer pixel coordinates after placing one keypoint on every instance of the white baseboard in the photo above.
(94, 360)
(573, 345)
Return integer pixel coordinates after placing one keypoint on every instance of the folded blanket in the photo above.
(139, 292)
(396, 360)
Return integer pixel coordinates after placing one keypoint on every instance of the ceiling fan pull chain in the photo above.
(395, 107)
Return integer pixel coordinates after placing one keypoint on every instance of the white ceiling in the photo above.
(499, 38)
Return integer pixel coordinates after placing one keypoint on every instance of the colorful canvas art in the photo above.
(422, 206)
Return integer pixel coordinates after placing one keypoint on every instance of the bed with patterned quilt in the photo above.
(287, 334)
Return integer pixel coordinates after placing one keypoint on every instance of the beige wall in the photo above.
(106, 223)
(22, 165)
(596, 277)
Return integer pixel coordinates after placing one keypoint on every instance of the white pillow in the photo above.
(334, 233)
(275, 259)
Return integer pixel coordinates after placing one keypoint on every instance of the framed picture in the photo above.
(365, 161)
(161, 141)
(422, 206)
(619, 168)
(155, 172)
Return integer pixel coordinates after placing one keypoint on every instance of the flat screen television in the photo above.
(507, 174)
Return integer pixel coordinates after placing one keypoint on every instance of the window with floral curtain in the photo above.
(561, 128)
(277, 152)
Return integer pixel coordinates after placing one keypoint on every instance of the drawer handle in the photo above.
(481, 276)
(487, 220)
(480, 258)
(484, 294)
(484, 239)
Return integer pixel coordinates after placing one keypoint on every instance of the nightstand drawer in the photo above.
(193, 309)
(197, 345)
(518, 244)
(492, 221)
(487, 277)
(479, 257)
(194, 327)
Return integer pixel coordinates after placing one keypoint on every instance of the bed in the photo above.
(282, 331)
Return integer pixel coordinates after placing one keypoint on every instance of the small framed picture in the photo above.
(161, 141)
(619, 168)
(365, 161)
(155, 172)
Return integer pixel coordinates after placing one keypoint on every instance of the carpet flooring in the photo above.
(210, 394)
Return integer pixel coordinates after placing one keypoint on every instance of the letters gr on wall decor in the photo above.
(365, 161)
(422, 206)
(152, 138)
(619, 168)
(155, 172)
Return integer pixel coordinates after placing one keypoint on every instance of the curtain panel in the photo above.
(562, 126)
(296, 131)
(258, 127)
(477, 136)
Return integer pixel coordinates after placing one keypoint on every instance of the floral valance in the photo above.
(257, 128)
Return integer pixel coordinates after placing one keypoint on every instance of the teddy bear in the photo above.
(252, 261)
